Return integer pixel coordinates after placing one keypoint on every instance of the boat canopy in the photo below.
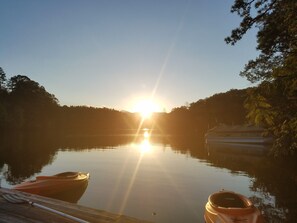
(237, 129)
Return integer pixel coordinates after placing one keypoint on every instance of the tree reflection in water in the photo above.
(273, 184)
(24, 156)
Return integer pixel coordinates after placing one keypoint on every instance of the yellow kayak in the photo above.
(51, 185)
(230, 207)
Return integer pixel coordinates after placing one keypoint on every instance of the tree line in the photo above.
(27, 106)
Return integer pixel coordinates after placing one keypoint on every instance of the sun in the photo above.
(146, 108)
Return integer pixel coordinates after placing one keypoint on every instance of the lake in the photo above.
(153, 177)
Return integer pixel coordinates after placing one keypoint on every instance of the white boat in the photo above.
(237, 148)
(237, 134)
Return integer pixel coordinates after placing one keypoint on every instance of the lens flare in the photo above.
(146, 108)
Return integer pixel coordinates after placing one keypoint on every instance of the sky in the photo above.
(114, 53)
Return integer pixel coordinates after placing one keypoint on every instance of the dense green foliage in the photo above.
(274, 102)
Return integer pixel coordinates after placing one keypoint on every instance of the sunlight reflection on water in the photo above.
(149, 178)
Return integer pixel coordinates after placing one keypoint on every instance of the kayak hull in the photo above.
(53, 185)
(230, 207)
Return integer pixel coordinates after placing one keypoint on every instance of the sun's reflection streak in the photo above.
(145, 145)
(143, 148)
(174, 185)
(117, 185)
(139, 128)
(127, 194)
(146, 135)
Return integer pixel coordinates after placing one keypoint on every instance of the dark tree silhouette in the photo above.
(2, 79)
(31, 105)
(275, 68)
(3, 100)
(28, 107)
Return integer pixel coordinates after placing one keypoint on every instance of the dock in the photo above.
(26, 213)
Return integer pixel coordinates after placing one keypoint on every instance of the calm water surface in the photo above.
(160, 179)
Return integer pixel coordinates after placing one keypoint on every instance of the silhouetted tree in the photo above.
(180, 121)
(2, 79)
(3, 100)
(275, 67)
(31, 105)
(82, 120)
(223, 108)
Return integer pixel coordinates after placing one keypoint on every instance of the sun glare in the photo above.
(145, 146)
(146, 108)
(146, 135)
